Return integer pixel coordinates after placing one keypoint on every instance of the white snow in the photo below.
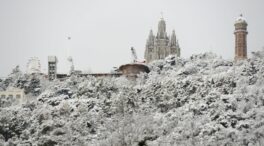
(204, 100)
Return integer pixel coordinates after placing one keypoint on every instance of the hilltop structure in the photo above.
(240, 38)
(11, 95)
(52, 67)
(33, 66)
(160, 46)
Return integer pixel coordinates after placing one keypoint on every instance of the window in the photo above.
(10, 97)
(18, 96)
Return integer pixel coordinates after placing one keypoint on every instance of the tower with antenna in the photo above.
(69, 57)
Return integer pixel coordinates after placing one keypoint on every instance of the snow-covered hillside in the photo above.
(204, 100)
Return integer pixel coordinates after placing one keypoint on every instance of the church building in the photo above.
(160, 46)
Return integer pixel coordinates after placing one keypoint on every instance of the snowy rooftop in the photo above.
(52, 59)
(240, 19)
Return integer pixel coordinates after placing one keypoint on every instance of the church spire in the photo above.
(149, 46)
(150, 41)
(178, 49)
(162, 29)
(173, 41)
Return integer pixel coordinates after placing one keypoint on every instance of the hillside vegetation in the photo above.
(203, 100)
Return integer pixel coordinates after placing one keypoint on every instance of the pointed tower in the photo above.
(172, 48)
(240, 38)
(162, 34)
(149, 52)
(161, 41)
(178, 49)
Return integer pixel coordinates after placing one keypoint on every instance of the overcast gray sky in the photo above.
(103, 31)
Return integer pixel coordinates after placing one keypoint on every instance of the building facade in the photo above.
(240, 38)
(11, 96)
(33, 66)
(160, 46)
(52, 67)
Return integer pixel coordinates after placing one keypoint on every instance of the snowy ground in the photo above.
(204, 100)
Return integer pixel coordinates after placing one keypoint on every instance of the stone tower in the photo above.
(160, 46)
(240, 38)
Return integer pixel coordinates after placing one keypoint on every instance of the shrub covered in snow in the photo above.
(204, 100)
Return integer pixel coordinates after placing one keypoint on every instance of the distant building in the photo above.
(160, 46)
(52, 67)
(133, 69)
(11, 95)
(240, 38)
(33, 66)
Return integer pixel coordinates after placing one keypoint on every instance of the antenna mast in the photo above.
(69, 57)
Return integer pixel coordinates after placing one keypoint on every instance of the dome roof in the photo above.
(240, 19)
